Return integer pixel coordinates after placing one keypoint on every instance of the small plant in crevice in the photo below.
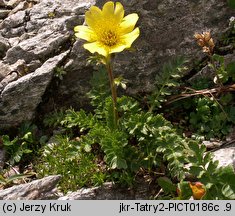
(209, 119)
(21, 150)
(166, 82)
(21, 147)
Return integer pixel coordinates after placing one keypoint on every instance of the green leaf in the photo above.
(228, 192)
(27, 151)
(2, 180)
(165, 80)
(17, 157)
(185, 190)
(43, 140)
(28, 136)
(231, 3)
(6, 140)
(118, 163)
(212, 166)
(207, 158)
(166, 184)
(197, 171)
(226, 175)
(231, 69)
(121, 163)
(218, 58)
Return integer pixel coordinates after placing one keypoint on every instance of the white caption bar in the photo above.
(117, 208)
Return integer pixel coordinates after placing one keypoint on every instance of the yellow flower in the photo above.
(107, 30)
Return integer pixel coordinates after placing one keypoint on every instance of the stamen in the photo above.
(109, 38)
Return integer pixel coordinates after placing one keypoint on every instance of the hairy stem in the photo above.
(113, 90)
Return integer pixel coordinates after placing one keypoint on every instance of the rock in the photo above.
(13, 3)
(35, 36)
(212, 144)
(12, 76)
(21, 6)
(2, 3)
(4, 70)
(109, 191)
(225, 156)
(39, 47)
(39, 189)
(20, 98)
(4, 45)
(12, 72)
(4, 13)
(13, 21)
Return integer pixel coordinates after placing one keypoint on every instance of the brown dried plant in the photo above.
(205, 41)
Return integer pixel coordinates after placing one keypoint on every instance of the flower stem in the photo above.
(113, 90)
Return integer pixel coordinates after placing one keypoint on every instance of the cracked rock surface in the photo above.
(38, 34)
(44, 188)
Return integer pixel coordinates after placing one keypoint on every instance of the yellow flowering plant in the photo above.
(108, 31)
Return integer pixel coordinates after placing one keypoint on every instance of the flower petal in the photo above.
(109, 18)
(119, 11)
(128, 23)
(93, 16)
(85, 33)
(117, 49)
(129, 38)
(96, 47)
(108, 9)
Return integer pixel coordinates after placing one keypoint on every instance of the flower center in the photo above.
(109, 38)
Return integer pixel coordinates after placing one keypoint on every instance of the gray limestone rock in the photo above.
(4, 46)
(39, 47)
(13, 21)
(39, 189)
(109, 191)
(4, 13)
(225, 156)
(13, 3)
(2, 3)
(35, 34)
(20, 98)
(4, 70)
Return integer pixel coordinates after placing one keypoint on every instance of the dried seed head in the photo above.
(205, 41)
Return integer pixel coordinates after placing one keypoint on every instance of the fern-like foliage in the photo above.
(78, 119)
(156, 137)
(54, 119)
(165, 80)
(219, 181)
